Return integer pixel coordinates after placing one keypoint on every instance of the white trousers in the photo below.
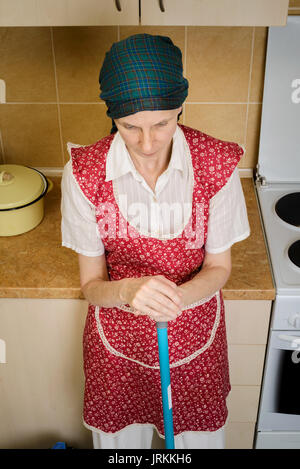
(140, 437)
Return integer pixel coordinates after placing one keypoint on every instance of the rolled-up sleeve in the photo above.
(228, 221)
(78, 224)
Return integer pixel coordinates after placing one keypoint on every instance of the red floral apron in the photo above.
(121, 362)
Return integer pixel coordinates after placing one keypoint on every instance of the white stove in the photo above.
(280, 206)
(277, 183)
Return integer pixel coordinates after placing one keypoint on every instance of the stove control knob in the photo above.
(294, 320)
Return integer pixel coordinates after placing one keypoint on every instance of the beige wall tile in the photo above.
(223, 121)
(83, 124)
(30, 134)
(258, 64)
(26, 64)
(218, 61)
(252, 137)
(294, 4)
(246, 364)
(224, 55)
(79, 54)
(175, 33)
(239, 435)
(247, 322)
(242, 403)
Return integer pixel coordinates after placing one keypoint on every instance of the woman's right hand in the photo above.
(154, 296)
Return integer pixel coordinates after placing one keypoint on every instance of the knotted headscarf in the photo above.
(142, 73)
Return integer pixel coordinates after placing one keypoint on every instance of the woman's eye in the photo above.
(129, 127)
(162, 124)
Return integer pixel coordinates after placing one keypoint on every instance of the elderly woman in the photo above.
(152, 210)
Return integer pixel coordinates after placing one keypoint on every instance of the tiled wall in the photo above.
(52, 91)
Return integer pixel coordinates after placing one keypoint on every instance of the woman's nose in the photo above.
(146, 141)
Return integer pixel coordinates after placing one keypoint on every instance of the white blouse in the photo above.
(163, 213)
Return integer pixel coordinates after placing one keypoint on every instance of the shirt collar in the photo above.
(119, 162)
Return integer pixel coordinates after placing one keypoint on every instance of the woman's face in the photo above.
(148, 134)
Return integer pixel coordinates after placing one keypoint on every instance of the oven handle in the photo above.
(293, 339)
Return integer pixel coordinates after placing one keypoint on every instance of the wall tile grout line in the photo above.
(57, 171)
(2, 159)
(225, 102)
(102, 103)
(2, 101)
(249, 86)
(54, 102)
(184, 66)
(57, 97)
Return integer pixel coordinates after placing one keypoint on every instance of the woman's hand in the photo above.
(154, 296)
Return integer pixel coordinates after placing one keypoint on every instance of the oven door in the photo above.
(280, 398)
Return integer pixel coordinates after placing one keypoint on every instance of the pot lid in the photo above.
(19, 185)
(279, 148)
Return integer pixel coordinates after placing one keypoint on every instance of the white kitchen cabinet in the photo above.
(68, 12)
(214, 12)
(144, 12)
(42, 381)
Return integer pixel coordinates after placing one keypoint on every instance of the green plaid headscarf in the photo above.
(142, 73)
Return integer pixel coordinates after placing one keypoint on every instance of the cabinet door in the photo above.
(42, 379)
(68, 12)
(214, 12)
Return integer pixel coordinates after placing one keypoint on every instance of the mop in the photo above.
(164, 364)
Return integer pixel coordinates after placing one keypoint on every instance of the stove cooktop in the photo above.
(280, 210)
(288, 208)
(294, 253)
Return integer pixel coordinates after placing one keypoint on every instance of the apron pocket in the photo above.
(134, 338)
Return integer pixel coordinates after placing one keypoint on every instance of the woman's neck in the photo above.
(155, 166)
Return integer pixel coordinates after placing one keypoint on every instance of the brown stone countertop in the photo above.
(35, 265)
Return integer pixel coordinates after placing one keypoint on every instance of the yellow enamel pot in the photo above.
(22, 192)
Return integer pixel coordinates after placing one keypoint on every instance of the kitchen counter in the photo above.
(35, 265)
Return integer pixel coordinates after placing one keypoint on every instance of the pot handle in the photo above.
(5, 177)
(50, 185)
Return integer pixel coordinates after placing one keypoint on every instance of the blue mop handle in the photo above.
(163, 350)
